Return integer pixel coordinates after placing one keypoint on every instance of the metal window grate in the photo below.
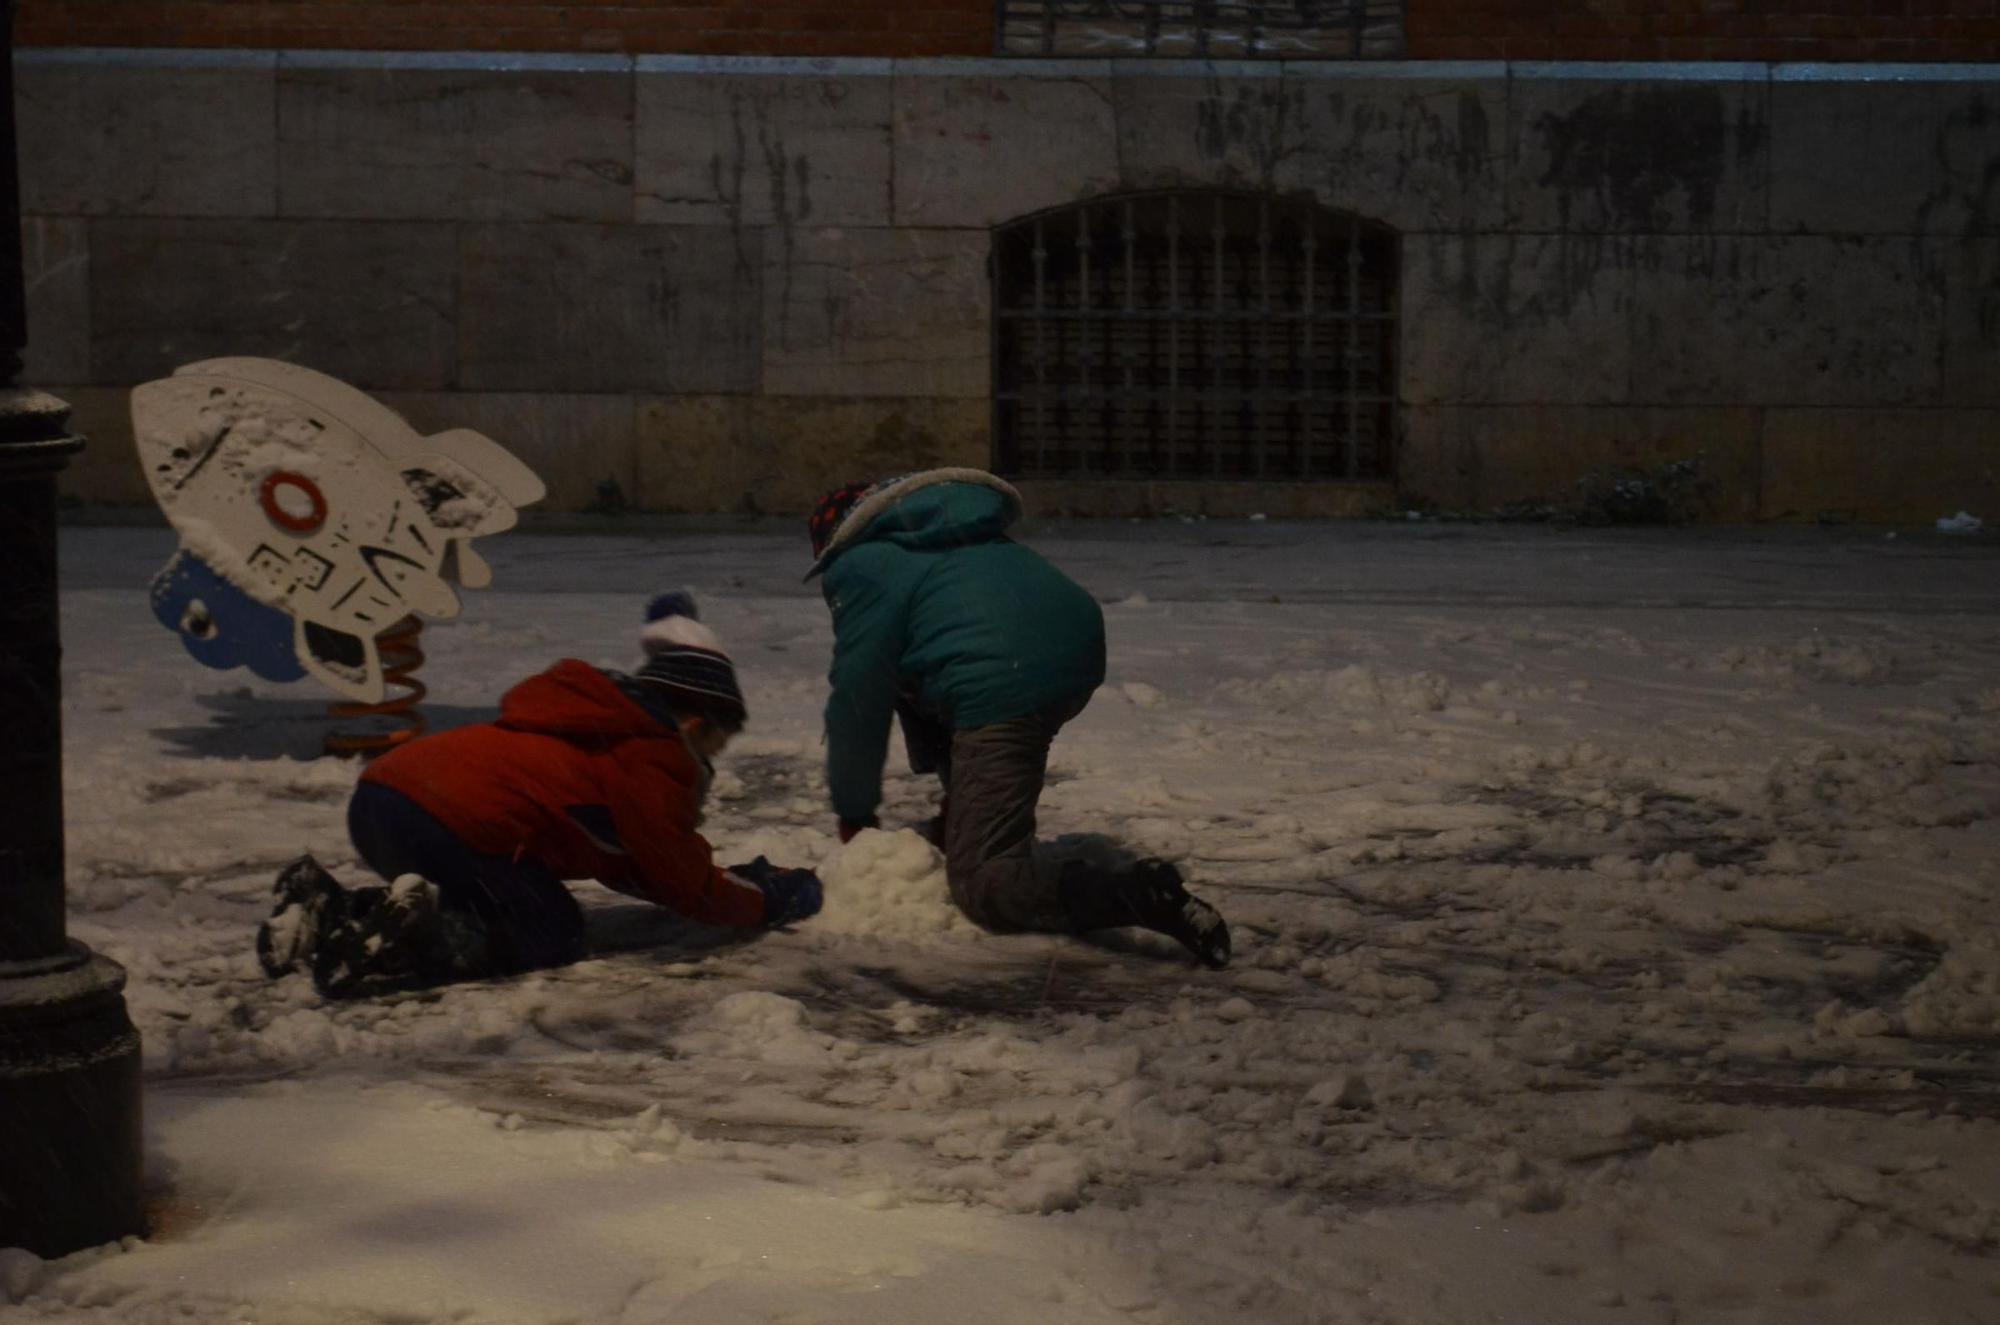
(1194, 335)
(1203, 29)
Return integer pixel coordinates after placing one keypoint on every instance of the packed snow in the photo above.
(1615, 937)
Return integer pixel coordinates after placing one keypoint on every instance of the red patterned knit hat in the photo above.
(828, 512)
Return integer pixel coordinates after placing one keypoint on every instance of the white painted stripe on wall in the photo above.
(822, 66)
(1387, 69)
(1136, 67)
(1885, 73)
(1643, 71)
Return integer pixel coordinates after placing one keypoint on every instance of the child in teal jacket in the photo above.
(983, 650)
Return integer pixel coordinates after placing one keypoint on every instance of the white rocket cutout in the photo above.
(297, 494)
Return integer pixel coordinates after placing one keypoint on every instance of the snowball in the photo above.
(889, 885)
(1236, 1009)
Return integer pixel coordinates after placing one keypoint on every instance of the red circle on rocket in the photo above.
(290, 522)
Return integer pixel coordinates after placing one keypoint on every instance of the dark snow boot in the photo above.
(398, 938)
(1148, 893)
(309, 903)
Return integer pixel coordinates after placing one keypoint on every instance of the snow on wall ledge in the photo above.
(687, 283)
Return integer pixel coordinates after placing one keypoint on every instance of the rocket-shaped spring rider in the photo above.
(317, 527)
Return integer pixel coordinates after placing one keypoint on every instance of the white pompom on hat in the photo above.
(685, 663)
(673, 621)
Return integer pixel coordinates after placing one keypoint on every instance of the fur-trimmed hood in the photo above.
(932, 523)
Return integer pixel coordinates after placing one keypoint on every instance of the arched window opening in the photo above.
(1194, 335)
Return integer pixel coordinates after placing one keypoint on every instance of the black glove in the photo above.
(788, 894)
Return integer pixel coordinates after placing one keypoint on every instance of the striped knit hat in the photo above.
(685, 664)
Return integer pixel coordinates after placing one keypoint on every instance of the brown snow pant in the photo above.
(993, 778)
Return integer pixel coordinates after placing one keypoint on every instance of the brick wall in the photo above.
(1768, 30)
(1775, 30)
(900, 28)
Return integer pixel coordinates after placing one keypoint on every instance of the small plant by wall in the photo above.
(1672, 493)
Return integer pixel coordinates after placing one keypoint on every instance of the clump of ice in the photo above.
(1961, 998)
(1141, 694)
(1355, 688)
(1813, 658)
(762, 1026)
(890, 885)
(20, 1273)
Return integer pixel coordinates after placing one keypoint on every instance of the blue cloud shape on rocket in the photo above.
(222, 626)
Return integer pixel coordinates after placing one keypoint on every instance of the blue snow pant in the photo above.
(531, 921)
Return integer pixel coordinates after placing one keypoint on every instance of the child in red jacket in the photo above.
(588, 774)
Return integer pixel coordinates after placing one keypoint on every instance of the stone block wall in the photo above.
(719, 284)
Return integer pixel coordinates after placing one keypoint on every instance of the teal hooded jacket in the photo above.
(930, 596)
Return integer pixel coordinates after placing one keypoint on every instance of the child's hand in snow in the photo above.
(788, 894)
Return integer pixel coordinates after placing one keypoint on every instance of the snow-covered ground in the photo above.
(1616, 941)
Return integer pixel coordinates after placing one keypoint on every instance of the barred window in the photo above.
(1194, 335)
(1203, 29)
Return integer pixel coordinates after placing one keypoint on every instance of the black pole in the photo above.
(13, 288)
(69, 1057)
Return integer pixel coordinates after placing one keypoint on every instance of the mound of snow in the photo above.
(889, 885)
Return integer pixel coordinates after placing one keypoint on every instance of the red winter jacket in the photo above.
(578, 777)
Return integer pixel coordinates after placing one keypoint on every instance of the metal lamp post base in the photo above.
(70, 1157)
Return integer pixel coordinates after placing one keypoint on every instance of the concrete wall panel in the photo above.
(571, 308)
(1638, 157)
(1420, 154)
(977, 151)
(1787, 321)
(877, 312)
(1435, 469)
(764, 454)
(106, 472)
(582, 446)
(728, 149)
(371, 302)
(55, 267)
(1885, 156)
(138, 137)
(1484, 459)
(1879, 466)
(1224, 500)
(1972, 321)
(1516, 319)
(454, 144)
(1231, 126)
